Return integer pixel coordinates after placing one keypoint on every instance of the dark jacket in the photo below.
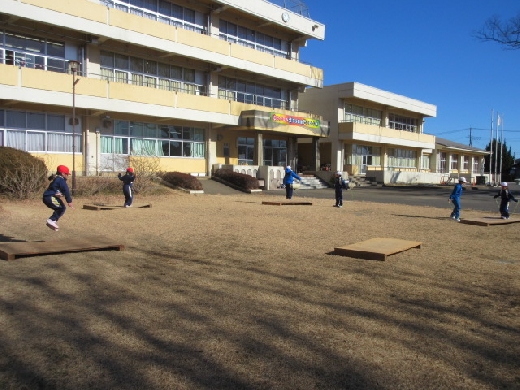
(339, 183)
(506, 196)
(127, 179)
(59, 183)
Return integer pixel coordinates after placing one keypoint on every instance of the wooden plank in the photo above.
(288, 203)
(14, 250)
(98, 207)
(488, 221)
(376, 248)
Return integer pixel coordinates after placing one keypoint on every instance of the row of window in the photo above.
(143, 72)
(32, 52)
(398, 122)
(231, 32)
(148, 139)
(160, 10)
(367, 116)
(251, 93)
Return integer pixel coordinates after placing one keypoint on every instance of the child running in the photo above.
(455, 198)
(128, 186)
(506, 197)
(52, 197)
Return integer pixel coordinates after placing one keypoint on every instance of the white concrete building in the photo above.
(380, 135)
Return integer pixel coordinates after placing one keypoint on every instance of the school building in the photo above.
(196, 85)
(380, 135)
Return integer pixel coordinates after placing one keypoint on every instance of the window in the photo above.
(465, 163)
(246, 150)
(442, 162)
(275, 152)
(368, 116)
(454, 162)
(244, 36)
(38, 132)
(425, 162)
(148, 139)
(250, 93)
(402, 158)
(398, 122)
(476, 165)
(162, 11)
(33, 52)
(138, 71)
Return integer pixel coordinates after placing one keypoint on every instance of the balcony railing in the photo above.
(28, 60)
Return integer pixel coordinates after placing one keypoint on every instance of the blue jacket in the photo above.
(59, 184)
(290, 176)
(457, 191)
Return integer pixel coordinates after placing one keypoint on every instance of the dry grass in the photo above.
(221, 292)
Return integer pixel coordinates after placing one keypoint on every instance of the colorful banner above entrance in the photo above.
(295, 120)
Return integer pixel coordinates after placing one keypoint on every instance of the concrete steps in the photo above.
(311, 182)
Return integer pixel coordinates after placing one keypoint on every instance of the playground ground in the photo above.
(222, 292)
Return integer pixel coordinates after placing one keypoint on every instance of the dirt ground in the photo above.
(222, 292)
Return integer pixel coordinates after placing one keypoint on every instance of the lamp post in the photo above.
(73, 68)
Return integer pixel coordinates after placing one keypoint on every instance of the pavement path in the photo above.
(476, 198)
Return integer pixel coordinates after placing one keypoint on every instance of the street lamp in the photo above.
(73, 68)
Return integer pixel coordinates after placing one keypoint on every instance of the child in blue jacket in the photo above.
(128, 186)
(455, 198)
(288, 181)
(506, 197)
(52, 197)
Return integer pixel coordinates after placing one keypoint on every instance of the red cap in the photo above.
(62, 169)
(131, 170)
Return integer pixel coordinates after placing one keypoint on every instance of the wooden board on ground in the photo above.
(487, 221)
(288, 203)
(107, 207)
(14, 250)
(376, 248)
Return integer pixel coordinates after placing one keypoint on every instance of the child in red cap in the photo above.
(128, 186)
(52, 197)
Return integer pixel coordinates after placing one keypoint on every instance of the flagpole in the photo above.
(496, 149)
(491, 149)
(501, 145)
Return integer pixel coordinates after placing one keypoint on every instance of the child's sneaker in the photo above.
(52, 224)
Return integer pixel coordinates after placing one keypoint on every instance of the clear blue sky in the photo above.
(425, 50)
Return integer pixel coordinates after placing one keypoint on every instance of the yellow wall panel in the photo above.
(184, 165)
(252, 55)
(202, 103)
(141, 25)
(191, 38)
(8, 75)
(48, 81)
(139, 94)
(81, 8)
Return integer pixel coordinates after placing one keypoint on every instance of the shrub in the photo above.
(22, 175)
(241, 180)
(182, 180)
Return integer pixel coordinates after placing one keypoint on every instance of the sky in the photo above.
(425, 50)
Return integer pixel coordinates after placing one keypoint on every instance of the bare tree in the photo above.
(505, 33)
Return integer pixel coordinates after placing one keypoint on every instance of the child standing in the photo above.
(506, 197)
(455, 198)
(52, 197)
(128, 186)
(288, 181)
(339, 186)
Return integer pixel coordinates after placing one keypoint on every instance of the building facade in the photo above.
(380, 135)
(194, 85)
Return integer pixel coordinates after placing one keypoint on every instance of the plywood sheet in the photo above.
(488, 221)
(14, 250)
(376, 248)
(288, 203)
(98, 207)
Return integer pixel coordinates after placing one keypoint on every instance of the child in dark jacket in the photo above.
(52, 197)
(128, 186)
(506, 196)
(339, 186)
